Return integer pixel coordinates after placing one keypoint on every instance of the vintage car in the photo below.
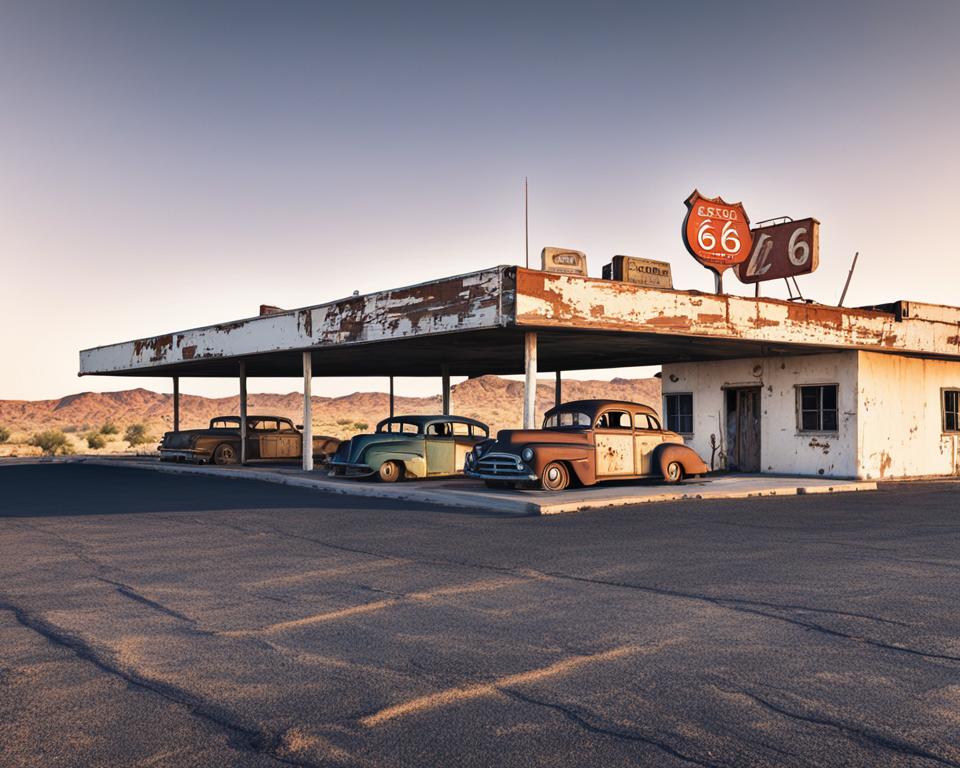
(268, 438)
(410, 447)
(585, 442)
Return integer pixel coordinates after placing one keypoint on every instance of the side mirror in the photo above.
(300, 427)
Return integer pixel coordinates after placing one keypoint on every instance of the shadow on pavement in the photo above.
(71, 489)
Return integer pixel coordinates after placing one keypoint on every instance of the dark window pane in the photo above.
(809, 420)
(809, 398)
(829, 398)
(685, 405)
(685, 424)
(829, 421)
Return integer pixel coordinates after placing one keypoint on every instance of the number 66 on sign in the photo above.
(781, 251)
(716, 233)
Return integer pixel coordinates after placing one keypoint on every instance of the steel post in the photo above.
(391, 398)
(530, 382)
(176, 403)
(307, 412)
(445, 374)
(243, 412)
(558, 391)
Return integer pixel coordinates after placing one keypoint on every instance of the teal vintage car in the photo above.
(406, 447)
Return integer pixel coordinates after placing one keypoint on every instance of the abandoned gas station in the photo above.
(753, 384)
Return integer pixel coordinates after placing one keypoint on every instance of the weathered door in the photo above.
(613, 439)
(645, 439)
(746, 421)
(440, 455)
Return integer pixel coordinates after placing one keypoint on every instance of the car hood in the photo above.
(515, 439)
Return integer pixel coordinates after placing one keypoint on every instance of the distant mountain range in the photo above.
(491, 399)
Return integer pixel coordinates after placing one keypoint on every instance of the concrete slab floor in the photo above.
(463, 492)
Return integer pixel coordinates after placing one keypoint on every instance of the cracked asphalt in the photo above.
(157, 620)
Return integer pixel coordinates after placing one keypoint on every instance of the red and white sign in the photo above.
(716, 233)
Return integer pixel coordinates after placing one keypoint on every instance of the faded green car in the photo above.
(406, 447)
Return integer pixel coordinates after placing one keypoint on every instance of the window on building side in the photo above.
(678, 409)
(818, 408)
(951, 410)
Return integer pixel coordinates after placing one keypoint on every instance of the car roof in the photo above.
(424, 421)
(250, 416)
(595, 406)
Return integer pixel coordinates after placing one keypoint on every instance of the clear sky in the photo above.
(172, 164)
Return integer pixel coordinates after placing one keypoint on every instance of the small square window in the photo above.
(818, 408)
(951, 410)
(678, 410)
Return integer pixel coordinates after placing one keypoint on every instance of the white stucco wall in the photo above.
(783, 448)
(901, 417)
(890, 413)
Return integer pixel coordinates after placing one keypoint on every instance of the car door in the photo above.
(440, 449)
(289, 441)
(268, 435)
(646, 437)
(463, 442)
(613, 439)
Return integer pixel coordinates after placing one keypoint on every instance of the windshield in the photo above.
(559, 419)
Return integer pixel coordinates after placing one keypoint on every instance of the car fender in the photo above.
(414, 463)
(580, 459)
(689, 459)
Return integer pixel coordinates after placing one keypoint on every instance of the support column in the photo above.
(391, 397)
(243, 412)
(445, 373)
(176, 403)
(530, 382)
(307, 412)
(558, 391)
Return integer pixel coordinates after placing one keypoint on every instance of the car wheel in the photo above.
(674, 473)
(555, 477)
(225, 454)
(391, 471)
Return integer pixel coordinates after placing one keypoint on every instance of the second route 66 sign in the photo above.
(716, 233)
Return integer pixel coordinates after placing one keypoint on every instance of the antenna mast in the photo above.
(526, 221)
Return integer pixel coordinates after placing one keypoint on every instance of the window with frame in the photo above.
(614, 420)
(678, 410)
(951, 410)
(818, 408)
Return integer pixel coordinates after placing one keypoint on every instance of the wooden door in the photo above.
(748, 429)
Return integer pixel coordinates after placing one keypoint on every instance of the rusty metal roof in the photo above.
(473, 323)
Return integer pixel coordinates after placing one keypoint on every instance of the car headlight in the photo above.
(471, 458)
(527, 454)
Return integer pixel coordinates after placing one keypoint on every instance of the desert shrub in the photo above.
(360, 426)
(109, 429)
(70, 429)
(51, 441)
(4, 434)
(343, 422)
(136, 434)
(95, 441)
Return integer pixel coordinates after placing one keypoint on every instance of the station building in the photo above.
(754, 384)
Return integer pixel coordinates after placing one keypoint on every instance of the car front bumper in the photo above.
(500, 466)
(184, 454)
(343, 469)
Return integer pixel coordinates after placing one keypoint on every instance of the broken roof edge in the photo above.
(500, 268)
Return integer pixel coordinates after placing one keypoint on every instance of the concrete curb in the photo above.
(488, 502)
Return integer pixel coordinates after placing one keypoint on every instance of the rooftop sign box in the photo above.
(645, 272)
(716, 233)
(564, 261)
(781, 251)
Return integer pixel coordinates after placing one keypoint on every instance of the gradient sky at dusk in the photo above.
(176, 164)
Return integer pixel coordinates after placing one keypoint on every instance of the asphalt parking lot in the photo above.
(148, 619)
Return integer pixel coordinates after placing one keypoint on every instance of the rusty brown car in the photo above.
(585, 442)
(271, 438)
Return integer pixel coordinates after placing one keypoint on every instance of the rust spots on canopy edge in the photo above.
(158, 345)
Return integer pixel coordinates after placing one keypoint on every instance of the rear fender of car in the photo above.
(667, 452)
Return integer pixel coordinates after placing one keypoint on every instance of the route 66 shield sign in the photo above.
(716, 233)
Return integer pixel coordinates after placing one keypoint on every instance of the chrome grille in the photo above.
(499, 464)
